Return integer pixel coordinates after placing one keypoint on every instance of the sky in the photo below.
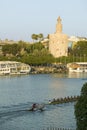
(19, 19)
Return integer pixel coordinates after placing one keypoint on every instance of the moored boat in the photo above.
(77, 67)
(13, 67)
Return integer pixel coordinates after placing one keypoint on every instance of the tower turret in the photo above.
(59, 25)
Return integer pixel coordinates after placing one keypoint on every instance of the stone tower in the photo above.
(59, 25)
(58, 42)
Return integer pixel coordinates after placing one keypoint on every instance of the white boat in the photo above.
(13, 67)
(77, 67)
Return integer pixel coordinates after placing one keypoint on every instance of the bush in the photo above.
(81, 109)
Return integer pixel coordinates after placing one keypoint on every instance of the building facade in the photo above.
(58, 42)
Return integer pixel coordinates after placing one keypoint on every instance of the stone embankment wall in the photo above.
(48, 69)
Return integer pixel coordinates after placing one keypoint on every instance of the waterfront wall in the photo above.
(48, 69)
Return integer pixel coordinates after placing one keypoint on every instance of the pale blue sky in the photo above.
(19, 19)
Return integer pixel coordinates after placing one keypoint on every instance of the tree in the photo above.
(38, 46)
(40, 36)
(34, 37)
(80, 48)
(81, 109)
(37, 37)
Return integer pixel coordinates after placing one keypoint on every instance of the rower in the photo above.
(34, 106)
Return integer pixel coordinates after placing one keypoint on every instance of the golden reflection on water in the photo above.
(71, 75)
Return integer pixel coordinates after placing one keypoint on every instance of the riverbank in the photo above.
(48, 69)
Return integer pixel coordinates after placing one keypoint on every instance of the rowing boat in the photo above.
(39, 107)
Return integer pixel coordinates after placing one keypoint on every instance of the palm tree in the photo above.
(40, 36)
(34, 37)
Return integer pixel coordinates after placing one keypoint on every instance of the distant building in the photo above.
(73, 40)
(45, 42)
(6, 41)
(58, 42)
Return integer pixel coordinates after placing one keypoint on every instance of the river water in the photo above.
(18, 93)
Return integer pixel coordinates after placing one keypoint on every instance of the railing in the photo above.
(64, 100)
(52, 128)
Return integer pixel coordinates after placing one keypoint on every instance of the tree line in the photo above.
(38, 54)
(33, 54)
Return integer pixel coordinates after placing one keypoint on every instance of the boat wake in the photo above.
(14, 111)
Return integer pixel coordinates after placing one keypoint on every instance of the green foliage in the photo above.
(37, 60)
(34, 36)
(78, 52)
(84, 90)
(40, 37)
(37, 53)
(80, 48)
(29, 53)
(15, 49)
(10, 49)
(3, 58)
(81, 109)
(37, 37)
(38, 46)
